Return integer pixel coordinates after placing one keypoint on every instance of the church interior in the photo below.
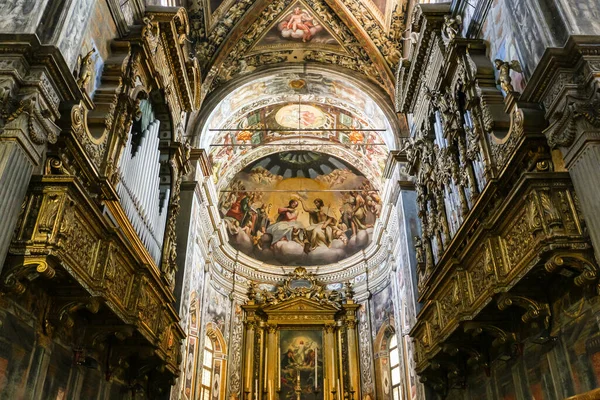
(299, 199)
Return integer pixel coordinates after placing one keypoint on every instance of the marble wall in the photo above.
(21, 16)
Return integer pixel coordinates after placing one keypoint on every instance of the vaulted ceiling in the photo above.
(236, 37)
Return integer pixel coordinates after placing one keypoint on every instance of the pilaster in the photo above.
(568, 84)
(33, 82)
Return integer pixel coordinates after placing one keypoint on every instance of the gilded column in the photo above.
(329, 360)
(354, 372)
(251, 327)
(252, 322)
(271, 380)
(350, 308)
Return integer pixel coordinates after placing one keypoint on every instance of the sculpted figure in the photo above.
(505, 67)
(451, 27)
(84, 71)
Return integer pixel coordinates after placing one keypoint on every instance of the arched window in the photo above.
(395, 367)
(207, 369)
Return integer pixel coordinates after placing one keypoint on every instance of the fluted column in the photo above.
(583, 162)
(573, 112)
(15, 172)
(271, 383)
(248, 389)
(329, 360)
(23, 137)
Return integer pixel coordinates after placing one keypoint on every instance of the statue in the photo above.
(419, 250)
(451, 28)
(84, 69)
(504, 79)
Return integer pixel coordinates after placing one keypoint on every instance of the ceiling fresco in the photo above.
(328, 93)
(298, 27)
(300, 208)
(368, 147)
(361, 36)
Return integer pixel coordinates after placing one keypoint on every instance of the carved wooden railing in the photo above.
(64, 243)
(498, 210)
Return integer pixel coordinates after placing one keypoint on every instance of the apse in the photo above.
(300, 208)
(297, 159)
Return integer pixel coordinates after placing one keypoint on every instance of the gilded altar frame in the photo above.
(301, 304)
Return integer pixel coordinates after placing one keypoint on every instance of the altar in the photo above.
(300, 341)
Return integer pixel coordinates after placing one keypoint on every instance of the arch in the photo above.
(380, 100)
(387, 358)
(212, 378)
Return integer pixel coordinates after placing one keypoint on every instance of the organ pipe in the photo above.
(139, 188)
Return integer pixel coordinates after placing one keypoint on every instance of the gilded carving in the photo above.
(504, 68)
(84, 70)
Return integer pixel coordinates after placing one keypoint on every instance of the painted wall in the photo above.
(34, 366)
(566, 365)
(522, 30)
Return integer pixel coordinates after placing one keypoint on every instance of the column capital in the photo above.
(271, 328)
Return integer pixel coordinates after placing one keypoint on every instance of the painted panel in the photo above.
(297, 24)
(301, 364)
(383, 309)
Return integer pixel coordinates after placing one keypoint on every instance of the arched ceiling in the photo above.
(237, 37)
(259, 114)
(297, 104)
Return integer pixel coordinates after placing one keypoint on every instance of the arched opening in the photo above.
(212, 371)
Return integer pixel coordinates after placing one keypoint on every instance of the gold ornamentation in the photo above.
(534, 309)
(504, 78)
(84, 70)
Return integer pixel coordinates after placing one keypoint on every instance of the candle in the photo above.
(269, 391)
(266, 361)
(316, 372)
(256, 388)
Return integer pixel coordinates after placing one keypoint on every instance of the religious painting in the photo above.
(217, 309)
(300, 208)
(301, 364)
(299, 24)
(301, 116)
(383, 309)
(194, 313)
(341, 94)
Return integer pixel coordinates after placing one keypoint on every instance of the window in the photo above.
(207, 369)
(395, 368)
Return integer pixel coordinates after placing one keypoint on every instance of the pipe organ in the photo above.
(142, 197)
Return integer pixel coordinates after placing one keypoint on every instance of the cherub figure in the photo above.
(84, 69)
(451, 27)
(504, 78)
